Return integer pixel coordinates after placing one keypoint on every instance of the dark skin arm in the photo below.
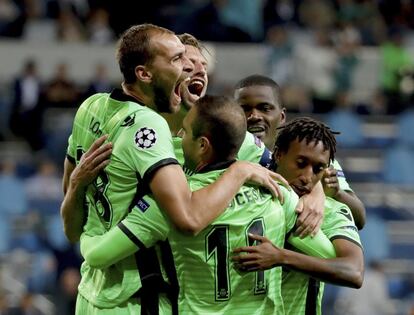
(345, 270)
(75, 181)
(331, 187)
(310, 210)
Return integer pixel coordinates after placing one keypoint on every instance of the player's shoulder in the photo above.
(335, 208)
(92, 100)
(199, 180)
(289, 194)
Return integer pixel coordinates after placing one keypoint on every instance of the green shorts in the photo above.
(130, 307)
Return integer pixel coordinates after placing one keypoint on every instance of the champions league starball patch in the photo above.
(145, 138)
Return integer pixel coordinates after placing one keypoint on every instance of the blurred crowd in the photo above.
(212, 20)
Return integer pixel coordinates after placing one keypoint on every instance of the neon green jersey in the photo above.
(142, 143)
(209, 283)
(206, 257)
(303, 294)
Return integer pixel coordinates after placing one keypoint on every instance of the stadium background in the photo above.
(347, 62)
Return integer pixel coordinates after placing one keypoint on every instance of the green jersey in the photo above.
(209, 283)
(142, 144)
(252, 150)
(303, 294)
(223, 289)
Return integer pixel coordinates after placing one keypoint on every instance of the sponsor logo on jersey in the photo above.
(346, 213)
(129, 121)
(145, 138)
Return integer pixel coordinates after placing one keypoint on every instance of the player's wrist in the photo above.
(77, 186)
(285, 257)
(241, 170)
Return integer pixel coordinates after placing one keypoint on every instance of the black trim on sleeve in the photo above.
(312, 296)
(71, 159)
(338, 237)
(152, 169)
(131, 236)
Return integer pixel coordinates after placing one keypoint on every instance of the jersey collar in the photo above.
(119, 95)
(216, 166)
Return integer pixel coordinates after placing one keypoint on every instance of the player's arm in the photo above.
(104, 250)
(140, 229)
(310, 210)
(68, 168)
(75, 181)
(332, 189)
(193, 211)
(346, 269)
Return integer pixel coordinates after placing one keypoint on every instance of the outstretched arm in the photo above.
(193, 211)
(346, 269)
(104, 250)
(189, 211)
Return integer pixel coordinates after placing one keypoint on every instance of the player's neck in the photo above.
(135, 92)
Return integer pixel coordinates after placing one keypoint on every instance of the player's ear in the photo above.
(282, 116)
(204, 144)
(143, 73)
(276, 155)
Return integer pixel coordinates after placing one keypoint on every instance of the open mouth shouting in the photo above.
(176, 99)
(193, 90)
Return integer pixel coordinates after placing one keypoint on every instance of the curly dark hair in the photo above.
(309, 129)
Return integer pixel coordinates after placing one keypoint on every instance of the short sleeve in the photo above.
(71, 150)
(146, 145)
(146, 224)
(339, 222)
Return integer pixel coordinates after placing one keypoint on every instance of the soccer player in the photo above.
(213, 132)
(152, 61)
(303, 150)
(252, 148)
(259, 96)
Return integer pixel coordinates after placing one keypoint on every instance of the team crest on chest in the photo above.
(145, 138)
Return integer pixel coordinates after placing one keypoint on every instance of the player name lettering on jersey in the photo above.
(247, 195)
